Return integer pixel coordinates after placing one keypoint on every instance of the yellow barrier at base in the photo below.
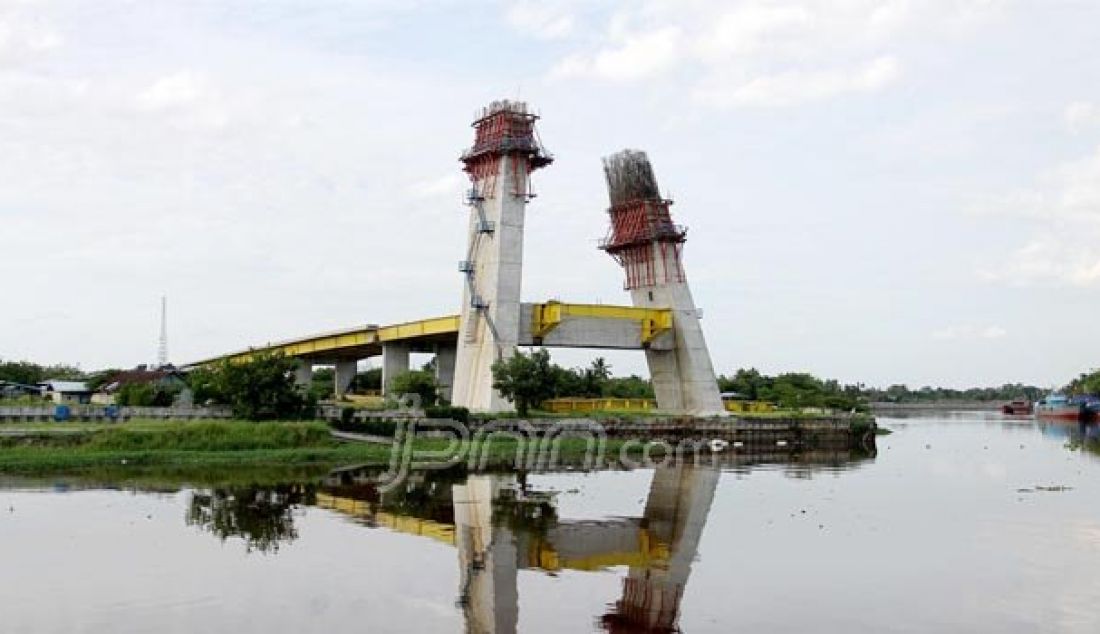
(749, 407)
(567, 405)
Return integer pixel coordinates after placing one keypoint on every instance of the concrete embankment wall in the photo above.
(94, 413)
(886, 409)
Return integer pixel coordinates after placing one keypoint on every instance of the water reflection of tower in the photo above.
(491, 553)
(676, 512)
(488, 562)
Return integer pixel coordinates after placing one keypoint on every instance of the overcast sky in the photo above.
(878, 191)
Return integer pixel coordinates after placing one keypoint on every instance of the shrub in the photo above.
(416, 382)
(460, 414)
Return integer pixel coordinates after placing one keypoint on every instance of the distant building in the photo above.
(15, 390)
(167, 379)
(68, 392)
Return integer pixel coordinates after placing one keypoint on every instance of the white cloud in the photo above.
(1069, 192)
(173, 91)
(1050, 259)
(752, 27)
(188, 98)
(767, 53)
(444, 187)
(544, 20)
(969, 332)
(1081, 116)
(796, 87)
(637, 56)
(23, 39)
(1064, 207)
(993, 332)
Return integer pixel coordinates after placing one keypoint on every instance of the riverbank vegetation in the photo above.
(1085, 384)
(259, 388)
(204, 445)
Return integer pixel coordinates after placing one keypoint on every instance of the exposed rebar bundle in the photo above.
(630, 177)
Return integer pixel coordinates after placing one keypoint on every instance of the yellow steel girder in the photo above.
(422, 328)
(648, 553)
(548, 316)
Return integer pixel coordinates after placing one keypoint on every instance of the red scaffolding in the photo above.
(504, 128)
(642, 232)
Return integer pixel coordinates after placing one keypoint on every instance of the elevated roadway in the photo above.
(550, 324)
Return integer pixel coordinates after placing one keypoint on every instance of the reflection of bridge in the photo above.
(658, 547)
(478, 514)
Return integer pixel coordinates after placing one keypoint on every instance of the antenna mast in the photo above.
(162, 349)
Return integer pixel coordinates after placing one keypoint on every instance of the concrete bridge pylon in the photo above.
(646, 242)
(506, 150)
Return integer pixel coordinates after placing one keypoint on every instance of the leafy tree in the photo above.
(525, 379)
(1085, 384)
(566, 382)
(205, 385)
(27, 373)
(594, 378)
(144, 395)
(260, 388)
(322, 385)
(368, 381)
(262, 516)
(419, 382)
(632, 386)
(22, 372)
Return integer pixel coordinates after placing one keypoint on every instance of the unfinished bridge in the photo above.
(494, 322)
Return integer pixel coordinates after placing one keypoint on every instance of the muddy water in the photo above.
(956, 524)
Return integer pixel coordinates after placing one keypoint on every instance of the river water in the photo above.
(965, 523)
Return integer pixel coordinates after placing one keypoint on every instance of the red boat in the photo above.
(1017, 408)
(1080, 409)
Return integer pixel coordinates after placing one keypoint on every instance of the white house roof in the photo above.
(65, 387)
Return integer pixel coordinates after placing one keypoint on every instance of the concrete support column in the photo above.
(395, 360)
(683, 378)
(445, 370)
(303, 376)
(345, 374)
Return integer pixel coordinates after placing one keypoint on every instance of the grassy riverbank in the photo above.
(195, 446)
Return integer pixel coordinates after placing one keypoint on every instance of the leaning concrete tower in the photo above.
(648, 245)
(506, 150)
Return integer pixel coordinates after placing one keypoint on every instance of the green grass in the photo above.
(177, 436)
(26, 401)
(198, 447)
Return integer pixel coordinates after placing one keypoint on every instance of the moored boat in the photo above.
(1019, 407)
(1082, 409)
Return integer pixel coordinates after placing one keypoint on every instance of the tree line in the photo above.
(265, 388)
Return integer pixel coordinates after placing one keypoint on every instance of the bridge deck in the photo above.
(551, 324)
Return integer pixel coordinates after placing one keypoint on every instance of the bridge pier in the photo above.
(445, 356)
(345, 374)
(395, 360)
(303, 375)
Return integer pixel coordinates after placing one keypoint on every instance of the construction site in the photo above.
(493, 321)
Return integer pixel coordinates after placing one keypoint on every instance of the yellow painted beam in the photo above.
(546, 317)
(421, 328)
(649, 552)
